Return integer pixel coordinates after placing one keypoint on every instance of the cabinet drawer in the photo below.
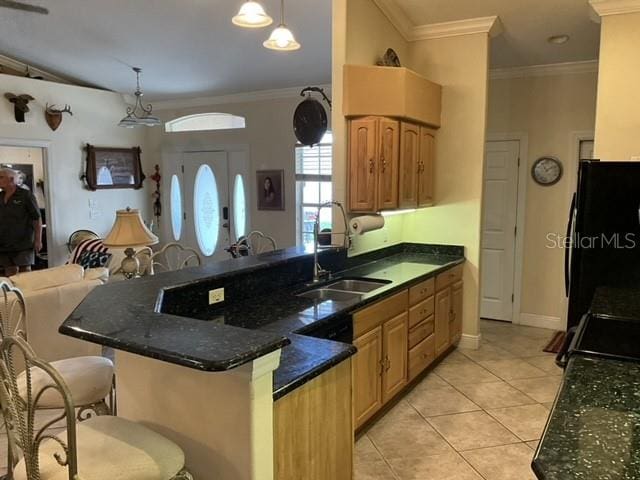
(376, 314)
(447, 278)
(421, 311)
(421, 291)
(421, 331)
(421, 356)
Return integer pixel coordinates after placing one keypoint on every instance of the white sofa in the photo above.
(51, 295)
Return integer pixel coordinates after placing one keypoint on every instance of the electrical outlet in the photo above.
(216, 296)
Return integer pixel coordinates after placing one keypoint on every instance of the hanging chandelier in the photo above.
(139, 115)
(282, 38)
(252, 15)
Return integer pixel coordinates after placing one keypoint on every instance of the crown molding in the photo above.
(602, 8)
(567, 68)
(397, 17)
(490, 25)
(19, 66)
(411, 32)
(257, 96)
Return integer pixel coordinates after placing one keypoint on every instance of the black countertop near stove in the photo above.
(616, 302)
(129, 315)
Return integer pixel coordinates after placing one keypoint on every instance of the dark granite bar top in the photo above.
(165, 316)
(616, 302)
(593, 431)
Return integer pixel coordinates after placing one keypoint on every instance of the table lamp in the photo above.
(129, 231)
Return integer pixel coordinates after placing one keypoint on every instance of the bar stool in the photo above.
(100, 448)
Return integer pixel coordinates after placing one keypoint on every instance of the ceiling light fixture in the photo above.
(281, 38)
(252, 15)
(558, 39)
(144, 117)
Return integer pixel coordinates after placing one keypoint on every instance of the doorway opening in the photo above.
(30, 164)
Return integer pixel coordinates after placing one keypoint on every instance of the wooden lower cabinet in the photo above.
(421, 356)
(455, 326)
(395, 333)
(442, 317)
(367, 375)
(313, 430)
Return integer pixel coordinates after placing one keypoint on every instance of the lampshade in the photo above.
(129, 231)
(282, 39)
(252, 15)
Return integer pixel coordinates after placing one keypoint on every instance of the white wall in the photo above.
(95, 117)
(549, 110)
(270, 141)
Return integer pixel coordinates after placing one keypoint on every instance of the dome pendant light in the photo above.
(139, 115)
(252, 15)
(281, 38)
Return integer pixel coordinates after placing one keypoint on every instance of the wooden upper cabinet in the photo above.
(363, 144)
(409, 160)
(395, 338)
(367, 375)
(389, 156)
(426, 167)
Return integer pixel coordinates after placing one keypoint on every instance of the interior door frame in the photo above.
(47, 157)
(523, 170)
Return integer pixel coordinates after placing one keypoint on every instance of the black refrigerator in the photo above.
(603, 232)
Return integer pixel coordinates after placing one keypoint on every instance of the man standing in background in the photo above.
(20, 225)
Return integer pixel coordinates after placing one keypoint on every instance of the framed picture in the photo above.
(270, 188)
(113, 168)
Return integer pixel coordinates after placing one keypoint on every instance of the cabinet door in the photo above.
(443, 312)
(409, 157)
(389, 153)
(395, 333)
(426, 167)
(362, 164)
(367, 376)
(455, 326)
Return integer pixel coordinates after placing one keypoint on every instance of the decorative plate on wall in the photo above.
(546, 171)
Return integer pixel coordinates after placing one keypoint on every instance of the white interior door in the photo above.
(499, 229)
(206, 204)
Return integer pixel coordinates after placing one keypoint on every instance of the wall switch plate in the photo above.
(216, 296)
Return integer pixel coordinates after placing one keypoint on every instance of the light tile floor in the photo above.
(477, 415)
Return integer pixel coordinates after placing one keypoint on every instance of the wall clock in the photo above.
(546, 171)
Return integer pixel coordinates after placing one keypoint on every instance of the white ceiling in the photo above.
(527, 24)
(187, 48)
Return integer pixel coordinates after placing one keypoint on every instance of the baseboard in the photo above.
(471, 342)
(541, 321)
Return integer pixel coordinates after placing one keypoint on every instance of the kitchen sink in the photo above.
(355, 285)
(326, 294)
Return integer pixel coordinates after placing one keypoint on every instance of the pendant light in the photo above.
(137, 118)
(252, 15)
(281, 38)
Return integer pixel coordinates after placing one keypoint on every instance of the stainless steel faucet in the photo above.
(320, 273)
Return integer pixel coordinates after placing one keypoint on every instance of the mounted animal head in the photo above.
(20, 104)
(53, 115)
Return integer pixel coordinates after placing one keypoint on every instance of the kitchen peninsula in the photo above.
(253, 387)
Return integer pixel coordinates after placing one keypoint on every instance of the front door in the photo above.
(206, 204)
(499, 229)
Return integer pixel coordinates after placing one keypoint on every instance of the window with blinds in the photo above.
(313, 187)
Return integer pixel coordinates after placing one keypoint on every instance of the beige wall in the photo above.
(549, 110)
(361, 35)
(270, 141)
(460, 65)
(96, 114)
(618, 117)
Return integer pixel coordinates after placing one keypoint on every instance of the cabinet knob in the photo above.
(383, 165)
(371, 165)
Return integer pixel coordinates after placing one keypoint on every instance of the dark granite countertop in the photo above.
(616, 302)
(129, 315)
(593, 431)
